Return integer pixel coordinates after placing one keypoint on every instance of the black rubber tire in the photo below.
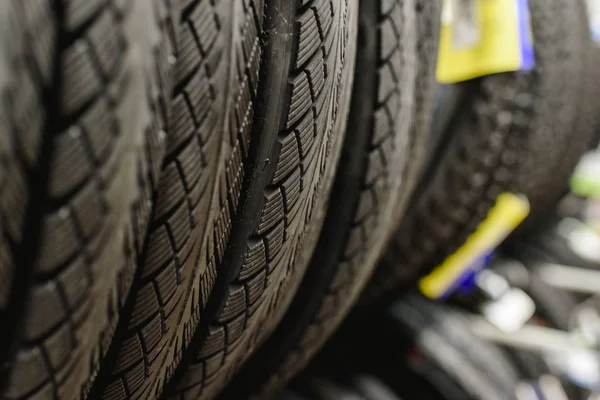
(209, 154)
(301, 105)
(553, 305)
(419, 349)
(520, 132)
(289, 395)
(550, 245)
(355, 386)
(372, 388)
(324, 388)
(84, 86)
(554, 308)
(441, 334)
(394, 74)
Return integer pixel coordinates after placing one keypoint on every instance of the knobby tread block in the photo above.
(505, 140)
(463, 189)
(309, 131)
(428, 28)
(369, 186)
(21, 111)
(85, 112)
(215, 77)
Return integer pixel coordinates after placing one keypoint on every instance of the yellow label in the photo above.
(508, 212)
(497, 50)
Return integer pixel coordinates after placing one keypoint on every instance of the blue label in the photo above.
(466, 284)
(527, 50)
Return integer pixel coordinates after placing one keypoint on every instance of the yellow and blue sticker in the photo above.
(504, 40)
(466, 284)
(456, 270)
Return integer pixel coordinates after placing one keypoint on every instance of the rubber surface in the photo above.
(440, 333)
(84, 111)
(298, 127)
(551, 244)
(319, 388)
(208, 149)
(554, 308)
(419, 349)
(353, 387)
(553, 305)
(520, 132)
(394, 75)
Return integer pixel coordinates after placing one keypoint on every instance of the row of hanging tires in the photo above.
(194, 193)
(416, 348)
(420, 349)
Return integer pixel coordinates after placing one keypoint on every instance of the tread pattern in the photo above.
(21, 87)
(554, 150)
(428, 32)
(101, 68)
(199, 188)
(470, 176)
(331, 285)
(513, 120)
(294, 199)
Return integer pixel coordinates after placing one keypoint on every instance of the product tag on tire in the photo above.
(483, 37)
(504, 217)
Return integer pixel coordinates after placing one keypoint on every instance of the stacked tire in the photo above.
(194, 193)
